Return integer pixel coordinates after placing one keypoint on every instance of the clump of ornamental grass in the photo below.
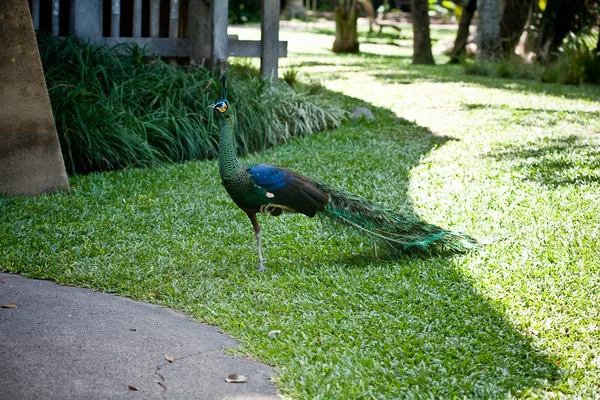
(115, 107)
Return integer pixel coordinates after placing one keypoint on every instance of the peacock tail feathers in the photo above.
(401, 234)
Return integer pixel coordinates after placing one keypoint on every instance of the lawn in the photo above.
(514, 163)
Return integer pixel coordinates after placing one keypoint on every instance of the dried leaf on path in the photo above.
(235, 378)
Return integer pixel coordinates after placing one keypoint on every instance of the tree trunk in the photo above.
(346, 33)
(421, 39)
(513, 18)
(462, 36)
(294, 9)
(557, 20)
(488, 30)
(528, 41)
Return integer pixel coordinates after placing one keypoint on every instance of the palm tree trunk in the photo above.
(421, 39)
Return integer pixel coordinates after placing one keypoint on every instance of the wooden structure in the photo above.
(171, 28)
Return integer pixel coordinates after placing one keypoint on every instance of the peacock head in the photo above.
(220, 106)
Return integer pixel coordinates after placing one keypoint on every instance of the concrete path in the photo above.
(59, 342)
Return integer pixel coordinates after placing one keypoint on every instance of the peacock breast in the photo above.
(244, 192)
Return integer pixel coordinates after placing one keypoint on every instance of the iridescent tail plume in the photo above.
(400, 233)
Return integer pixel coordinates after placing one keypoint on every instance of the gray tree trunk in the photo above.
(488, 30)
(294, 9)
(421, 39)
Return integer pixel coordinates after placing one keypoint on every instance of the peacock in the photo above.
(273, 190)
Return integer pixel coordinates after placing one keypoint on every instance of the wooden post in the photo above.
(137, 18)
(174, 19)
(269, 26)
(35, 13)
(55, 17)
(219, 13)
(200, 32)
(154, 18)
(115, 21)
(86, 19)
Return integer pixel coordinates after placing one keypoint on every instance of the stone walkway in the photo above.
(60, 342)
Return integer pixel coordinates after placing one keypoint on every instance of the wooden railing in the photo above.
(196, 28)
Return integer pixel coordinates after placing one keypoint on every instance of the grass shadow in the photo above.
(568, 160)
(527, 110)
(450, 327)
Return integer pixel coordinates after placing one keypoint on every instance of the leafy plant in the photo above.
(290, 75)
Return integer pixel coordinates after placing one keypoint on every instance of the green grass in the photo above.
(514, 163)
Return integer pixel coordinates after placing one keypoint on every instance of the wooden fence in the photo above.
(172, 28)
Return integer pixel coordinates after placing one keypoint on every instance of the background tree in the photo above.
(346, 30)
(488, 30)
(294, 9)
(558, 19)
(513, 17)
(421, 38)
(462, 35)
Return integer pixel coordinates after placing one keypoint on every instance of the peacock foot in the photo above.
(261, 265)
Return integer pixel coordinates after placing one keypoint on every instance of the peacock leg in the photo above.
(256, 227)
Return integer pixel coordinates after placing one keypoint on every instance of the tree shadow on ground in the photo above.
(540, 117)
(424, 317)
(568, 160)
(440, 326)
(526, 110)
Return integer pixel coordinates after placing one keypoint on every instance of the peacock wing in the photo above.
(289, 188)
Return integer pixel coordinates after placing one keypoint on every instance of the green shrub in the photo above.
(290, 75)
(571, 67)
(476, 68)
(116, 108)
(504, 70)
